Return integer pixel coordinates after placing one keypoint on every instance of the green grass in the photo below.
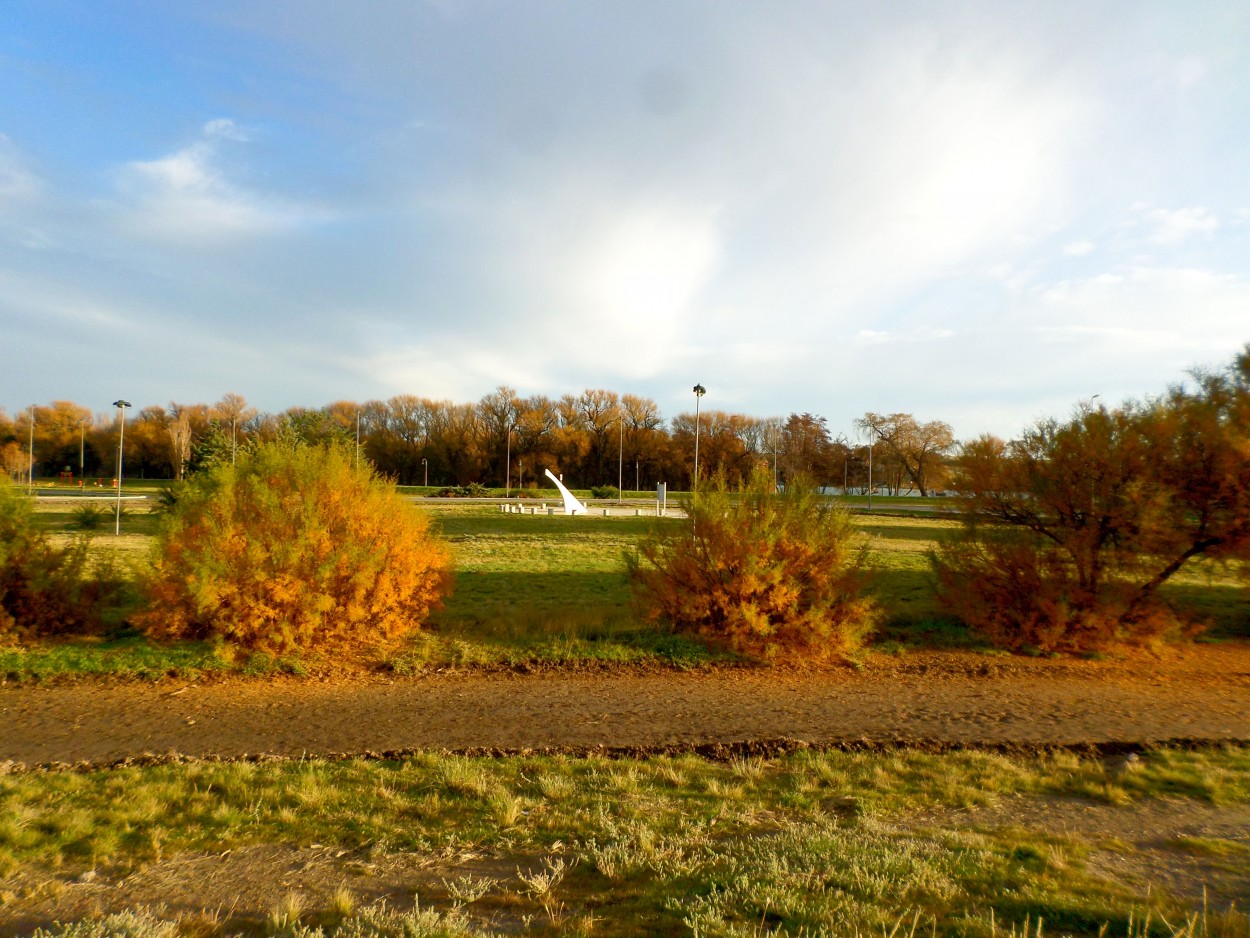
(812, 843)
(539, 591)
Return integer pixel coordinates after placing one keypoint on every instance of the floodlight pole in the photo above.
(507, 483)
(699, 391)
(81, 432)
(776, 440)
(620, 465)
(30, 468)
(870, 475)
(121, 439)
(425, 464)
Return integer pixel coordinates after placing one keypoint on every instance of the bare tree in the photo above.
(920, 449)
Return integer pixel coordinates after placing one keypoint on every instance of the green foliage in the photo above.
(91, 517)
(472, 490)
(294, 548)
(45, 590)
(605, 491)
(763, 574)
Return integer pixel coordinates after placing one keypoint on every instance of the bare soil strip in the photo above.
(933, 699)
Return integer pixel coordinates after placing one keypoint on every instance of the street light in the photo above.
(620, 464)
(30, 468)
(81, 423)
(699, 391)
(425, 464)
(507, 482)
(357, 439)
(121, 439)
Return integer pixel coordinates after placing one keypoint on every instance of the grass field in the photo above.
(812, 843)
(537, 590)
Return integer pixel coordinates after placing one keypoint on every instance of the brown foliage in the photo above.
(1071, 530)
(45, 590)
(770, 575)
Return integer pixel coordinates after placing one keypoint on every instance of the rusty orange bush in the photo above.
(46, 590)
(294, 548)
(775, 576)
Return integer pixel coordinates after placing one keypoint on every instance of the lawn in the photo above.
(806, 844)
(538, 590)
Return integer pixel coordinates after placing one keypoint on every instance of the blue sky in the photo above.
(975, 212)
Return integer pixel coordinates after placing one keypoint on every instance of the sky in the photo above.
(976, 212)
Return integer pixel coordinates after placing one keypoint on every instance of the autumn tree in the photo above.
(1071, 530)
(918, 451)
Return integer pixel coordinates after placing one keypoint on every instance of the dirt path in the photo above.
(933, 697)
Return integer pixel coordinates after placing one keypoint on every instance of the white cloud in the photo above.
(1171, 226)
(1079, 248)
(187, 196)
(17, 180)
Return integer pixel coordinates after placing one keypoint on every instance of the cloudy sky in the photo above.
(980, 212)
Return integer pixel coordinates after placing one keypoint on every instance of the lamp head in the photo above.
(699, 390)
(120, 404)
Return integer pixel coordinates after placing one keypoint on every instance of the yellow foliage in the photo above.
(294, 548)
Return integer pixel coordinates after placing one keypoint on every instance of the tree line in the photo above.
(597, 437)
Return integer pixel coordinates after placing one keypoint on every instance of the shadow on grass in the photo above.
(492, 595)
(1224, 608)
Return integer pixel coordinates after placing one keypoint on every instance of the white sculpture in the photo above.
(571, 505)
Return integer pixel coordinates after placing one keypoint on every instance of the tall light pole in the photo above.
(81, 424)
(30, 468)
(870, 474)
(699, 391)
(776, 436)
(637, 478)
(121, 439)
(507, 482)
(357, 439)
(620, 464)
(425, 464)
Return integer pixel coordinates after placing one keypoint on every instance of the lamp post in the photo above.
(870, 475)
(121, 439)
(776, 435)
(620, 464)
(699, 391)
(637, 478)
(357, 439)
(507, 482)
(425, 465)
(81, 424)
(30, 468)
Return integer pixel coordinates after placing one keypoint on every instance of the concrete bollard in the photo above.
(605, 512)
(550, 512)
(637, 512)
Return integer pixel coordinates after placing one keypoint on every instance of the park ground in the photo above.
(540, 763)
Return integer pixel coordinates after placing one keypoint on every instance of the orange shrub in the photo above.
(778, 576)
(45, 590)
(1024, 594)
(294, 548)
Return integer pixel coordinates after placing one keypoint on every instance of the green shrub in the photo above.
(45, 590)
(90, 517)
(294, 548)
(605, 491)
(762, 574)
